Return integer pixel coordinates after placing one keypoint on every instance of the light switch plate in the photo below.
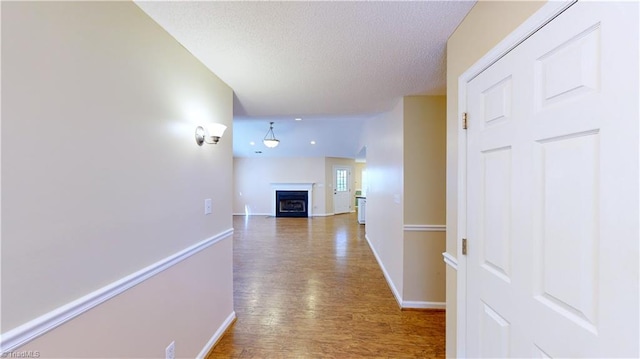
(207, 206)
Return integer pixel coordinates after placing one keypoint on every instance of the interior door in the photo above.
(342, 189)
(553, 191)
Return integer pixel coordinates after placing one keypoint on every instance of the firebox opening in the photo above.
(292, 203)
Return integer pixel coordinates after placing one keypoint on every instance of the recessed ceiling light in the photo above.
(298, 119)
(313, 142)
(252, 143)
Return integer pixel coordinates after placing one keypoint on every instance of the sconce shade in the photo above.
(216, 129)
(270, 138)
(210, 133)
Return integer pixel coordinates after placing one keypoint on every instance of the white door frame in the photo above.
(546, 13)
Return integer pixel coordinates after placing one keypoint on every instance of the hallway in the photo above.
(311, 288)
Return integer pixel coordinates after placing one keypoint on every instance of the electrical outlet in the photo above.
(170, 352)
(207, 206)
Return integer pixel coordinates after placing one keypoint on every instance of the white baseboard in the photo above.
(217, 335)
(323, 214)
(395, 292)
(402, 303)
(34, 328)
(423, 305)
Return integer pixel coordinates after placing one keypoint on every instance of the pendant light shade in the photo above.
(270, 139)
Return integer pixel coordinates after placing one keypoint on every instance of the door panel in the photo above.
(571, 69)
(496, 102)
(496, 223)
(569, 228)
(341, 189)
(553, 191)
(495, 334)
(490, 170)
(585, 134)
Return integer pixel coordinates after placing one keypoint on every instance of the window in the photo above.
(341, 180)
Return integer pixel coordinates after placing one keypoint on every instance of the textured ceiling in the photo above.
(320, 60)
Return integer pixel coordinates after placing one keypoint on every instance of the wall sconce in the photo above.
(210, 133)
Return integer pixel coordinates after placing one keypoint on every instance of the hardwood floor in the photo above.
(311, 288)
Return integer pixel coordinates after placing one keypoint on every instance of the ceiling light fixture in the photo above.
(270, 141)
(298, 119)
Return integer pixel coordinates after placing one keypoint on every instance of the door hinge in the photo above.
(464, 121)
(464, 246)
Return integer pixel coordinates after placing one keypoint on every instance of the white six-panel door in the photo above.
(553, 191)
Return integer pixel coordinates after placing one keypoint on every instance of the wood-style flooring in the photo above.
(311, 288)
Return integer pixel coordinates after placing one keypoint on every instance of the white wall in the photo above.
(252, 192)
(384, 215)
(102, 177)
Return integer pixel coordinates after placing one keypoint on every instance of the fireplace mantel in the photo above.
(291, 186)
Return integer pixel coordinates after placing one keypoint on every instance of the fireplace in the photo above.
(292, 208)
(292, 203)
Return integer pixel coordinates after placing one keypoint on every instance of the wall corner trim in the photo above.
(34, 328)
(450, 260)
(425, 228)
(217, 335)
(392, 286)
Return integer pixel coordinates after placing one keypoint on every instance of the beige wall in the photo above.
(102, 177)
(358, 169)
(424, 197)
(384, 214)
(357, 181)
(253, 177)
(424, 159)
(329, 163)
(424, 270)
(485, 26)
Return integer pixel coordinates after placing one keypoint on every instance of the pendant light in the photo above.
(270, 139)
